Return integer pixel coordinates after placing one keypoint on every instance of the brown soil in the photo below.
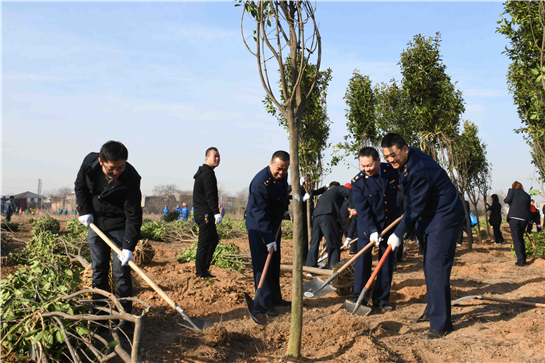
(484, 331)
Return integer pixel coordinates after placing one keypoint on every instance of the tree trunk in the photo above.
(296, 329)
(478, 224)
(309, 218)
(486, 218)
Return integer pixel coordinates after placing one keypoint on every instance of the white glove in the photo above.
(302, 180)
(306, 197)
(86, 219)
(347, 242)
(271, 245)
(125, 257)
(219, 218)
(394, 241)
(375, 237)
(287, 215)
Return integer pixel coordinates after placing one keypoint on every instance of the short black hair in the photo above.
(11, 197)
(334, 184)
(369, 151)
(282, 155)
(210, 149)
(113, 151)
(392, 139)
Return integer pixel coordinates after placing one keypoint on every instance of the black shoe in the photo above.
(422, 318)
(386, 308)
(206, 275)
(435, 334)
(283, 303)
(272, 312)
(520, 264)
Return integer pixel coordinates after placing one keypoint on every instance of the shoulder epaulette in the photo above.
(360, 175)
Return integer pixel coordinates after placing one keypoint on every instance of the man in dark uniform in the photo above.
(327, 222)
(267, 204)
(433, 204)
(207, 213)
(108, 194)
(349, 223)
(375, 196)
(306, 197)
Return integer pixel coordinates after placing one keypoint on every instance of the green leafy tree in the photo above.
(473, 150)
(315, 126)
(360, 114)
(392, 112)
(289, 26)
(523, 23)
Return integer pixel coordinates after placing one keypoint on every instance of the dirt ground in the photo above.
(484, 331)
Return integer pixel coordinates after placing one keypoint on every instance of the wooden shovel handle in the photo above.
(135, 267)
(379, 265)
(268, 262)
(537, 305)
(369, 245)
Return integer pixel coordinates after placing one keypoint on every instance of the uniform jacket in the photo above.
(267, 202)
(519, 204)
(351, 227)
(375, 198)
(10, 208)
(331, 202)
(205, 192)
(432, 199)
(185, 213)
(116, 207)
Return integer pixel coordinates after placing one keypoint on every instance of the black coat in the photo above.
(519, 204)
(331, 202)
(115, 207)
(205, 192)
(350, 228)
(267, 202)
(495, 213)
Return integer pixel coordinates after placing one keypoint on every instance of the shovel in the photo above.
(480, 297)
(190, 323)
(257, 316)
(535, 248)
(365, 310)
(318, 288)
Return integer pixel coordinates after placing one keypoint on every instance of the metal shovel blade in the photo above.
(315, 288)
(465, 298)
(198, 323)
(362, 310)
(257, 317)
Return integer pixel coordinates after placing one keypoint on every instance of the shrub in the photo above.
(76, 229)
(153, 230)
(46, 223)
(219, 259)
(10, 226)
(171, 216)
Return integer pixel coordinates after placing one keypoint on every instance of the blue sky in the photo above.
(171, 79)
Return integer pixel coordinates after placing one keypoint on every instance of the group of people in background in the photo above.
(408, 188)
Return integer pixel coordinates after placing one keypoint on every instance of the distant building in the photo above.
(28, 200)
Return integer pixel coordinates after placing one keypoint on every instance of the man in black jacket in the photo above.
(327, 222)
(108, 193)
(207, 213)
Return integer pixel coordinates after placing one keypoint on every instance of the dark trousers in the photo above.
(439, 248)
(498, 237)
(461, 235)
(362, 273)
(270, 292)
(325, 226)
(8, 216)
(353, 248)
(517, 232)
(304, 251)
(100, 256)
(208, 240)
